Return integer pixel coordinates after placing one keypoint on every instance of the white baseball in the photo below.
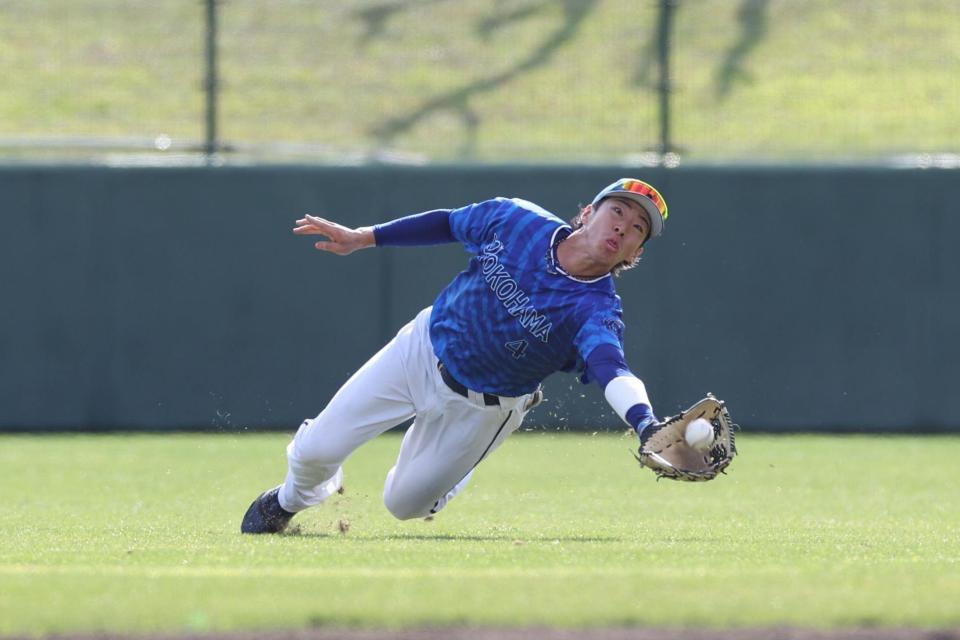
(699, 434)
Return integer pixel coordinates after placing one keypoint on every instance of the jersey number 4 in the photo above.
(517, 348)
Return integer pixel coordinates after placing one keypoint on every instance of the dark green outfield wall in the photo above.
(178, 298)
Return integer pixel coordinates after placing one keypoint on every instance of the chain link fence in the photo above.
(481, 81)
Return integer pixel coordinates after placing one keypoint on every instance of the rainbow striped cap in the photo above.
(644, 195)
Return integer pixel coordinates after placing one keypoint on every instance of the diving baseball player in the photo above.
(537, 297)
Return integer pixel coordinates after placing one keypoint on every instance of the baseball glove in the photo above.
(664, 449)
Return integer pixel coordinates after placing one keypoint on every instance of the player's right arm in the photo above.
(472, 225)
(341, 240)
(430, 227)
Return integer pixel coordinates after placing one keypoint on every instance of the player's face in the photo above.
(617, 229)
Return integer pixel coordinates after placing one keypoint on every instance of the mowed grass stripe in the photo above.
(411, 572)
(319, 572)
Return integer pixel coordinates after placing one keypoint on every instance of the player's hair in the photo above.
(577, 222)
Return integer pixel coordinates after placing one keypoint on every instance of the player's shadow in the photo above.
(457, 101)
(452, 537)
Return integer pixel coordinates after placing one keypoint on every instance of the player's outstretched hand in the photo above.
(342, 240)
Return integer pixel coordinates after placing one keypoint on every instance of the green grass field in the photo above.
(140, 534)
(494, 81)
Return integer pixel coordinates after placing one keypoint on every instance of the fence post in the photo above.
(664, 29)
(211, 144)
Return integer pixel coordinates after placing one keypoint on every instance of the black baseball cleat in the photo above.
(266, 515)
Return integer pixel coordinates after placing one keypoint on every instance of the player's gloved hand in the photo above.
(665, 450)
(342, 240)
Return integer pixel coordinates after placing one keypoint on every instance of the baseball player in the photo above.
(537, 297)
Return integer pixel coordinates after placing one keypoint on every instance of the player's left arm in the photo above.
(600, 343)
(625, 392)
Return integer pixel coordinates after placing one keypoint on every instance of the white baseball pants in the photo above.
(450, 435)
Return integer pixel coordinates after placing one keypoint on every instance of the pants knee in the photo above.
(406, 505)
(406, 510)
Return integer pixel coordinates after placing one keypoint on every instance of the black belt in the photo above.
(488, 398)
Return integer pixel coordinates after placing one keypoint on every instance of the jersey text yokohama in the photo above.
(509, 293)
(510, 319)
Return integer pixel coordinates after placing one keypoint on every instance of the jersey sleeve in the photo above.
(429, 227)
(602, 327)
(476, 224)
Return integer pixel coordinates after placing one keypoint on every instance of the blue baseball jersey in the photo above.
(514, 317)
